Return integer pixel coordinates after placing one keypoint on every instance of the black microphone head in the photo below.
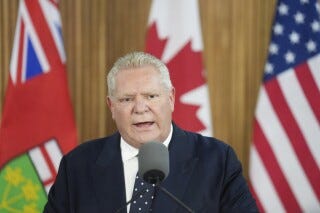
(153, 161)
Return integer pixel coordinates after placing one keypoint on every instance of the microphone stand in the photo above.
(163, 190)
(175, 198)
(156, 178)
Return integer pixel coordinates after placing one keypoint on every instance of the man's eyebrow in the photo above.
(126, 95)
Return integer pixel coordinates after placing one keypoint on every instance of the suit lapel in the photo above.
(182, 163)
(107, 176)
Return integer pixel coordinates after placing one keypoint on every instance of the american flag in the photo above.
(285, 154)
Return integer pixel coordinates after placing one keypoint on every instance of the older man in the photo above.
(100, 176)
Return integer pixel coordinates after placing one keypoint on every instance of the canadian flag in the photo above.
(174, 36)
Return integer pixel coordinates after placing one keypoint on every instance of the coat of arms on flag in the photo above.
(26, 179)
(37, 125)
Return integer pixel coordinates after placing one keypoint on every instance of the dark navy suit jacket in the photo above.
(204, 173)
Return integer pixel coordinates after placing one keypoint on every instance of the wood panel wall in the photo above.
(235, 33)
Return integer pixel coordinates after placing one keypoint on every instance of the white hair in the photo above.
(136, 60)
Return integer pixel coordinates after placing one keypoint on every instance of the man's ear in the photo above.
(109, 102)
(172, 97)
(110, 105)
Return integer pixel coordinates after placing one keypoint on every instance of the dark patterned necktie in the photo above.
(142, 196)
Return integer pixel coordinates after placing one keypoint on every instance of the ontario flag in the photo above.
(174, 36)
(37, 125)
(285, 154)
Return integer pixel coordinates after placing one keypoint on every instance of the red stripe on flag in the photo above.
(44, 33)
(50, 165)
(272, 166)
(309, 87)
(20, 53)
(292, 129)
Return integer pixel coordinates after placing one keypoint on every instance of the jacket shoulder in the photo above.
(91, 149)
(205, 144)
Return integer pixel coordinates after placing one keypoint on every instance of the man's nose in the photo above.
(141, 106)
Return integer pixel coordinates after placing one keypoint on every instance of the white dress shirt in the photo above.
(130, 164)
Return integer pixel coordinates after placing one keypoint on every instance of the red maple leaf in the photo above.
(186, 74)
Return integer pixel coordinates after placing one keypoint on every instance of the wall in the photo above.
(235, 33)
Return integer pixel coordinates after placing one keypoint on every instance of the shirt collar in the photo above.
(128, 152)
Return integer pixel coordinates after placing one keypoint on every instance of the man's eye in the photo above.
(123, 100)
(152, 96)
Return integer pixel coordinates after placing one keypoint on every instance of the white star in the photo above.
(290, 57)
(315, 26)
(294, 37)
(268, 68)
(318, 7)
(299, 18)
(283, 9)
(304, 1)
(278, 29)
(273, 49)
(311, 46)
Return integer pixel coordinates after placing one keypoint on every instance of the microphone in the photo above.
(153, 160)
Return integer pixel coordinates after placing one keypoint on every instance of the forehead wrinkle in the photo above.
(142, 85)
(145, 93)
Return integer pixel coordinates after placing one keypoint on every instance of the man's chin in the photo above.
(148, 139)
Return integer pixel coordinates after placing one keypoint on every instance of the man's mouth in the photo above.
(144, 124)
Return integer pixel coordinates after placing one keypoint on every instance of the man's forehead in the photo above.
(136, 75)
(142, 91)
(140, 67)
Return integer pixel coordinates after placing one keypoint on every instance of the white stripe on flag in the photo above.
(184, 25)
(284, 152)
(15, 51)
(314, 65)
(53, 20)
(54, 153)
(262, 184)
(40, 164)
(47, 187)
(204, 113)
(301, 111)
(24, 53)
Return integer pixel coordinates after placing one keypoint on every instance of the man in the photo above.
(99, 176)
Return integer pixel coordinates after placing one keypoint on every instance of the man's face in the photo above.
(141, 106)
